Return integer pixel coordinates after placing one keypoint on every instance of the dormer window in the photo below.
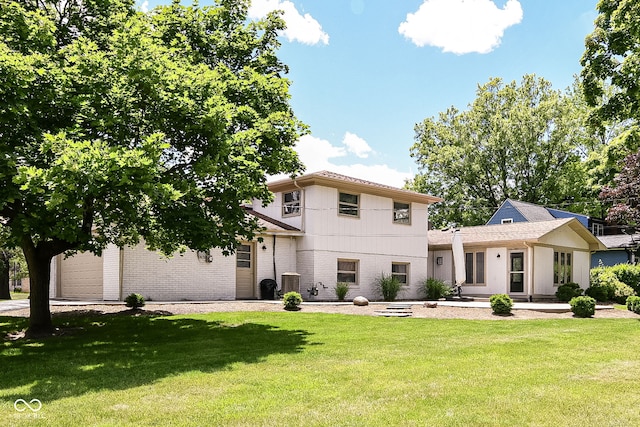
(291, 203)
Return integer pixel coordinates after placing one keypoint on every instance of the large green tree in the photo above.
(522, 141)
(118, 125)
(611, 81)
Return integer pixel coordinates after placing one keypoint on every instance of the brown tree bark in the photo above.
(5, 268)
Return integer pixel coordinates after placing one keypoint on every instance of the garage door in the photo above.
(81, 277)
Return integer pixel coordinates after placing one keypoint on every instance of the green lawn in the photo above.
(296, 368)
(19, 295)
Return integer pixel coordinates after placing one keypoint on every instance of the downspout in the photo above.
(273, 256)
(529, 270)
(120, 272)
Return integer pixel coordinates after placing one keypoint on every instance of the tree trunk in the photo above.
(5, 268)
(39, 262)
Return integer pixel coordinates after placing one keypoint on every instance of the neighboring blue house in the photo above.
(514, 211)
(621, 248)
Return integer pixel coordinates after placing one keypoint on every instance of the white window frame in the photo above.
(597, 229)
(400, 275)
(356, 265)
(506, 221)
(562, 267)
(293, 207)
(474, 268)
(398, 217)
(346, 206)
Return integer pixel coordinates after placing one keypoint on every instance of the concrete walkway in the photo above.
(11, 305)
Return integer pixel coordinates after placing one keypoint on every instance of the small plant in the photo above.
(342, 288)
(633, 304)
(388, 286)
(134, 301)
(292, 301)
(568, 291)
(583, 306)
(435, 289)
(501, 304)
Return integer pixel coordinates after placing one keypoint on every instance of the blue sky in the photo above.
(364, 72)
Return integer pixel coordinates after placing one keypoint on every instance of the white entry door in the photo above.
(245, 271)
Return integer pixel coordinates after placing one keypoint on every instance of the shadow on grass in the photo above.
(119, 352)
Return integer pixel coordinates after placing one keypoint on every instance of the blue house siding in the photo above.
(506, 211)
(564, 214)
(609, 258)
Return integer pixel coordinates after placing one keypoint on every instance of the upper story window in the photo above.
(506, 221)
(597, 229)
(349, 204)
(291, 203)
(401, 213)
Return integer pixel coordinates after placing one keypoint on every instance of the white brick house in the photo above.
(323, 226)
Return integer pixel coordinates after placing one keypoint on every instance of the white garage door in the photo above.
(81, 277)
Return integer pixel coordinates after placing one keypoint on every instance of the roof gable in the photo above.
(517, 232)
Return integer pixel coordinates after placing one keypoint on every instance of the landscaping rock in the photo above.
(431, 304)
(361, 301)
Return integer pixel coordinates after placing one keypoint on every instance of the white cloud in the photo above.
(317, 155)
(144, 6)
(460, 26)
(302, 28)
(356, 145)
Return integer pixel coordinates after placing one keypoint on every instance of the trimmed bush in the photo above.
(501, 304)
(134, 300)
(568, 291)
(342, 288)
(388, 286)
(629, 275)
(435, 289)
(633, 304)
(584, 306)
(292, 301)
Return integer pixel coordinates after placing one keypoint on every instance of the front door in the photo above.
(516, 272)
(245, 254)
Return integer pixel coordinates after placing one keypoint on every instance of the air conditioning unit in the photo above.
(290, 282)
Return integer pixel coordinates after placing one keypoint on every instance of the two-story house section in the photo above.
(353, 231)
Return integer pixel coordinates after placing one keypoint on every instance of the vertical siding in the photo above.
(543, 284)
(285, 258)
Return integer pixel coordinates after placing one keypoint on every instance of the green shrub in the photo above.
(134, 300)
(567, 291)
(501, 303)
(435, 289)
(622, 292)
(342, 288)
(584, 306)
(633, 304)
(292, 301)
(629, 275)
(388, 286)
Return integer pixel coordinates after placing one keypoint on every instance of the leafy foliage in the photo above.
(518, 141)
(435, 289)
(583, 306)
(606, 283)
(633, 304)
(342, 288)
(624, 195)
(568, 291)
(119, 125)
(134, 300)
(292, 301)
(501, 304)
(388, 286)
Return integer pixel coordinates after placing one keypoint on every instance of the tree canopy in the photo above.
(118, 125)
(521, 141)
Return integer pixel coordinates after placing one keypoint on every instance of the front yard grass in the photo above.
(296, 368)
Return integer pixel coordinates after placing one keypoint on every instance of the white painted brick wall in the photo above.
(183, 277)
